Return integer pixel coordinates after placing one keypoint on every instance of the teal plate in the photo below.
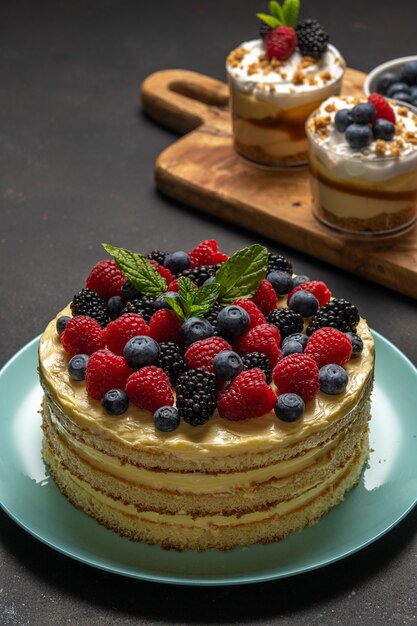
(386, 493)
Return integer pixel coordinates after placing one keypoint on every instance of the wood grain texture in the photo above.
(202, 170)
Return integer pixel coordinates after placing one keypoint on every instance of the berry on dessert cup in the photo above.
(276, 81)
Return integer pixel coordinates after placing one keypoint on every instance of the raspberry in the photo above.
(247, 396)
(317, 288)
(118, 333)
(264, 338)
(162, 271)
(383, 109)
(329, 345)
(206, 253)
(219, 258)
(280, 42)
(105, 371)
(299, 374)
(106, 279)
(173, 285)
(165, 326)
(149, 388)
(82, 335)
(201, 353)
(255, 314)
(265, 297)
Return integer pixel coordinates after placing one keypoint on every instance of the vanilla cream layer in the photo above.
(218, 437)
(274, 142)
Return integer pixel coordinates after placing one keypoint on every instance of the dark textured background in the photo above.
(76, 167)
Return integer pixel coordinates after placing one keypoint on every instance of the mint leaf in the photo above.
(290, 11)
(176, 307)
(141, 274)
(204, 299)
(242, 274)
(276, 10)
(269, 19)
(186, 292)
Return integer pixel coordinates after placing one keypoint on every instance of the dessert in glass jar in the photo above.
(363, 165)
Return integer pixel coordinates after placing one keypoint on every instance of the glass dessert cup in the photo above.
(360, 195)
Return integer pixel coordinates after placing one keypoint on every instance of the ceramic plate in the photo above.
(386, 493)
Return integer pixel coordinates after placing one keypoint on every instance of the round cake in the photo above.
(195, 401)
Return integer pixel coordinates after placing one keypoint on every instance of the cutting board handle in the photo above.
(183, 100)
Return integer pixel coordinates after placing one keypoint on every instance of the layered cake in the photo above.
(195, 401)
(363, 164)
(275, 82)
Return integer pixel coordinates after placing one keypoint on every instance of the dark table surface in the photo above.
(77, 169)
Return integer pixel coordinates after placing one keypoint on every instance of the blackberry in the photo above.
(171, 361)
(129, 292)
(288, 322)
(199, 275)
(211, 316)
(278, 263)
(339, 314)
(143, 305)
(88, 302)
(257, 359)
(196, 396)
(312, 39)
(157, 255)
(264, 29)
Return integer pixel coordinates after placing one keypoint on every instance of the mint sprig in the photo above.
(193, 302)
(285, 15)
(141, 274)
(241, 275)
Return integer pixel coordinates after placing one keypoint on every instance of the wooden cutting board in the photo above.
(202, 170)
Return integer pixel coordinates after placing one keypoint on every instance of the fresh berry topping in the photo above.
(61, 323)
(289, 407)
(211, 316)
(173, 285)
(115, 306)
(280, 42)
(77, 366)
(115, 402)
(329, 345)
(140, 351)
(227, 365)
(201, 353)
(297, 373)
(129, 292)
(301, 279)
(199, 274)
(265, 297)
(171, 361)
(298, 337)
(357, 345)
(304, 303)
(194, 329)
(408, 72)
(397, 88)
(281, 282)
(358, 136)
(383, 129)
(342, 120)
(248, 395)
(260, 361)
(157, 255)
(165, 325)
(196, 396)
(161, 303)
(255, 314)
(162, 271)
(232, 321)
(277, 262)
(383, 109)
(106, 279)
(363, 113)
(333, 379)
(82, 335)
(291, 347)
(166, 419)
(312, 39)
(287, 321)
(87, 302)
(264, 338)
(118, 332)
(337, 313)
(177, 262)
(144, 306)
(105, 371)
(317, 288)
(149, 388)
(385, 81)
(206, 253)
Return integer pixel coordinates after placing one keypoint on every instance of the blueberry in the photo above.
(289, 407)
(115, 306)
(77, 366)
(408, 73)
(300, 279)
(342, 119)
(166, 418)
(304, 303)
(397, 87)
(115, 401)
(227, 365)
(233, 321)
(140, 351)
(194, 329)
(177, 262)
(333, 379)
(385, 81)
(414, 102)
(404, 96)
(291, 347)
(161, 303)
(363, 113)
(358, 136)
(413, 92)
(357, 345)
(298, 337)
(61, 323)
(383, 129)
(281, 282)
